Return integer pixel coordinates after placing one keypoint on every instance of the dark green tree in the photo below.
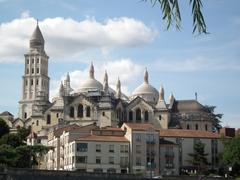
(12, 140)
(231, 154)
(199, 157)
(216, 118)
(23, 132)
(171, 14)
(7, 155)
(4, 128)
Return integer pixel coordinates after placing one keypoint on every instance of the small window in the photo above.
(196, 126)
(80, 110)
(98, 160)
(206, 127)
(32, 70)
(26, 82)
(103, 113)
(25, 115)
(138, 115)
(32, 61)
(98, 147)
(27, 71)
(37, 70)
(71, 112)
(37, 60)
(37, 82)
(146, 116)
(159, 117)
(130, 116)
(111, 148)
(57, 115)
(31, 82)
(88, 113)
(48, 119)
(37, 123)
(27, 61)
(82, 147)
(188, 127)
(111, 160)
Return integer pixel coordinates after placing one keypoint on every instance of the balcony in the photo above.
(151, 153)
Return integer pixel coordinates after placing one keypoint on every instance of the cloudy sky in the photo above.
(125, 37)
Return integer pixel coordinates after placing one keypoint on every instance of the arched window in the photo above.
(130, 115)
(188, 127)
(25, 115)
(138, 115)
(80, 110)
(88, 111)
(37, 123)
(146, 115)
(48, 119)
(206, 127)
(196, 126)
(71, 112)
(159, 117)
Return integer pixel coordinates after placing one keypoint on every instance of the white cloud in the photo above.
(195, 64)
(66, 37)
(125, 69)
(25, 14)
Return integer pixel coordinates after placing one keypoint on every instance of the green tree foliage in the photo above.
(231, 154)
(216, 118)
(4, 129)
(23, 132)
(7, 155)
(199, 157)
(12, 140)
(172, 15)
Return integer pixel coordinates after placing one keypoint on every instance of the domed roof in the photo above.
(91, 83)
(146, 91)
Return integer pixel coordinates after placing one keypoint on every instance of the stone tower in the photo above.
(35, 86)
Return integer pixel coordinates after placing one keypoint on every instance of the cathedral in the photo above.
(96, 103)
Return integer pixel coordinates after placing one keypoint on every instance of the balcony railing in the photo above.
(151, 141)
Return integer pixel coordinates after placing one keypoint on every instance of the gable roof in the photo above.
(139, 126)
(139, 99)
(188, 105)
(6, 113)
(183, 133)
(59, 131)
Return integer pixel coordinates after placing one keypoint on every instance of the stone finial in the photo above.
(61, 90)
(146, 76)
(118, 89)
(105, 82)
(68, 77)
(91, 71)
(171, 98)
(161, 93)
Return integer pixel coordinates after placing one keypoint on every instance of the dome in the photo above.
(146, 91)
(91, 83)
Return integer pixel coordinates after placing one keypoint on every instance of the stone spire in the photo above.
(105, 83)
(67, 85)
(37, 40)
(91, 71)
(161, 102)
(146, 76)
(61, 90)
(118, 89)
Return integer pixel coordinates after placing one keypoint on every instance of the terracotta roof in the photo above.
(109, 129)
(86, 128)
(103, 138)
(187, 133)
(188, 105)
(139, 126)
(59, 131)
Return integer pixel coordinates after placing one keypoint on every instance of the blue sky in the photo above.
(124, 37)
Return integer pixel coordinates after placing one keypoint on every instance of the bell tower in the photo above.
(35, 81)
